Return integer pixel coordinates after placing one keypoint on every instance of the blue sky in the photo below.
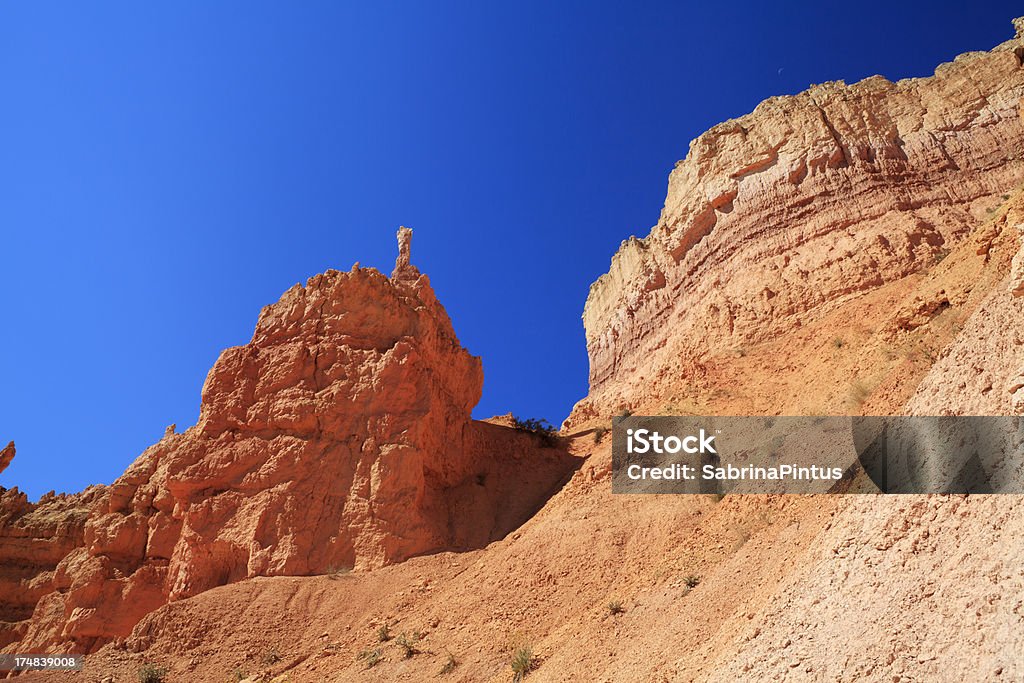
(170, 168)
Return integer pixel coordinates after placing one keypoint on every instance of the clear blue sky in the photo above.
(168, 170)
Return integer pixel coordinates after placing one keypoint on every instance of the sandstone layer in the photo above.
(339, 438)
(775, 218)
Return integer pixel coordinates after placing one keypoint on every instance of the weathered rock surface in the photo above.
(912, 588)
(340, 437)
(982, 371)
(775, 217)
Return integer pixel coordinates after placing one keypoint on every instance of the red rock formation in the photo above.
(775, 217)
(339, 437)
(6, 456)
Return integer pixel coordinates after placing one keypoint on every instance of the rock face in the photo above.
(773, 218)
(6, 455)
(982, 371)
(340, 437)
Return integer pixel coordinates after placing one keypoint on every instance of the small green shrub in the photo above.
(531, 424)
(541, 427)
(383, 633)
(523, 662)
(371, 658)
(838, 343)
(408, 645)
(599, 434)
(151, 673)
(615, 607)
(239, 675)
(692, 581)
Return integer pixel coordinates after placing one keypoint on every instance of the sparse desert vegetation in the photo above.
(151, 673)
(371, 658)
(523, 662)
(539, 426)
(408, 645)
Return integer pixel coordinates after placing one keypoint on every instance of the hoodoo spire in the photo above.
(403, 268)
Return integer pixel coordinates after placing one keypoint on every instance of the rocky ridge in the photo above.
(338, 438)
(776, 218)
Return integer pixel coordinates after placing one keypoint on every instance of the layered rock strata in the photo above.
(774, 218)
